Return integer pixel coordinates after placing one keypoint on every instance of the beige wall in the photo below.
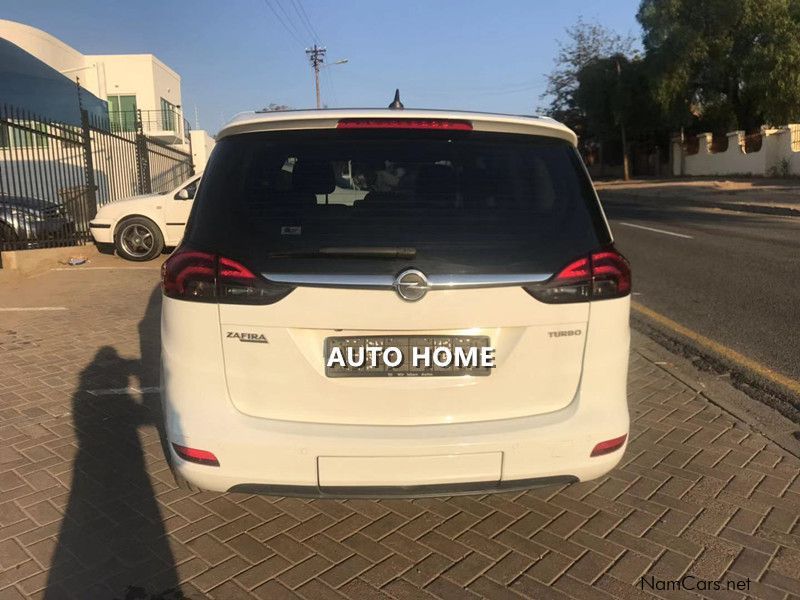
(142, 75)
(202, 144)
(775, 153)
(42, 45)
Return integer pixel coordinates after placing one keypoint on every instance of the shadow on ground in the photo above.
(112, 542)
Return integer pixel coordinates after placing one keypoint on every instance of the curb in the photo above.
(720, 389)
(764, 209)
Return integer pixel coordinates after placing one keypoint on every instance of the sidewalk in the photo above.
(88, 508)
(767, 196)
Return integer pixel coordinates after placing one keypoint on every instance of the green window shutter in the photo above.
(167, 115)
(122, 112)
(127, 105)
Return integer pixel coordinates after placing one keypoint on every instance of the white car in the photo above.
(394, 303)
(140, 227)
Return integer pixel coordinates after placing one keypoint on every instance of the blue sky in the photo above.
(235, 55)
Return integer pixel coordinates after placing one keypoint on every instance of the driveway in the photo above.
(88, 508)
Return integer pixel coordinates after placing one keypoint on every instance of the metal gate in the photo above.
(53, 176)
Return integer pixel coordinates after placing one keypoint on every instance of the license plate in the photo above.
(359, 361)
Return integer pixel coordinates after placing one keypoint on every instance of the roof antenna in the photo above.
(396, 104)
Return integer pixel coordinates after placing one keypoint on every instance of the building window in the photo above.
(122, 113)
(168, 113)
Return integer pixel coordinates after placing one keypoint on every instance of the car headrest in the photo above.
(315, 177)
(436, 179)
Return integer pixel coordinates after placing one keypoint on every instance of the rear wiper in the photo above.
(350, 252)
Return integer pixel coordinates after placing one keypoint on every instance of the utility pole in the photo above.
(626, 170)
(316, 56)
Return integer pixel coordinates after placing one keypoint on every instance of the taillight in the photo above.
(443, 124)
(206, 277)
(201, 457)
(609, 446)
(599, 276)
(190, 275)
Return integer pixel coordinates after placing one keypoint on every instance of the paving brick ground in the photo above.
(88, 506)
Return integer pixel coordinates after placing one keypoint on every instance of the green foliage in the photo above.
(612, 92)
(708, 65)
(586, 42)
(723, 64)
(275, 107)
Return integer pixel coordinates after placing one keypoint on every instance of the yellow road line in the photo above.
(728, 353)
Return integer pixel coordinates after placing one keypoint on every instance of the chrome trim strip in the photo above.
(438, 282)
(327, 280)
(386, 282)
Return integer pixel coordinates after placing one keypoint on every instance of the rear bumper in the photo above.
(320, 460)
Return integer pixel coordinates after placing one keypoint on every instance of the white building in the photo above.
(126, 81)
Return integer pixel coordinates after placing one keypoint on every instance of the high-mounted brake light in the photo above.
(609, 446)
(205, 277)
(599, 276)
(442, 124)
(201, 457)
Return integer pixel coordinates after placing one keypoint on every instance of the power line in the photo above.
(298, 4)
(289, 19)
(285, 26)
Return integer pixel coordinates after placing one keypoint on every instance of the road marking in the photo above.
(31, 308)
(82, 268)
(123, 391)
(680, 235)
(728, 353)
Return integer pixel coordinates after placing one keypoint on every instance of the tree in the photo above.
(586, 42)
(273, 107)
(613, 94)
(724, 64)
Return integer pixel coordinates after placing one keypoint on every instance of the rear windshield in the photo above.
(378, 201)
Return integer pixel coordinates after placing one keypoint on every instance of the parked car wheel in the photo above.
(139, 239)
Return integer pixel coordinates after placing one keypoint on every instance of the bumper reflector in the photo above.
(201, 457)
(609, 446)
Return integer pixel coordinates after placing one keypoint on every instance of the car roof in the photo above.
(253, 122)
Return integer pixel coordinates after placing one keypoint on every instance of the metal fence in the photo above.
(54, 176)
(165, 124)
(794, 130)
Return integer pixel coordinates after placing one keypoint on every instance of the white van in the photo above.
(394, 303)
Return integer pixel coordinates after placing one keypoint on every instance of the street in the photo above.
(731, 276)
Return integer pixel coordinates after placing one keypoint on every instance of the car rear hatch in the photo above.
(309, 238)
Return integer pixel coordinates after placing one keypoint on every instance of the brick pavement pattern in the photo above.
(88, 507)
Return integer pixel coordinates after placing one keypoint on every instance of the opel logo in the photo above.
(411, 285)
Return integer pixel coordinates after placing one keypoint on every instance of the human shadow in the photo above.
(112, 542)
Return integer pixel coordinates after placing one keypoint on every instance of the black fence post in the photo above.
(90, 197)
(142, 157)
